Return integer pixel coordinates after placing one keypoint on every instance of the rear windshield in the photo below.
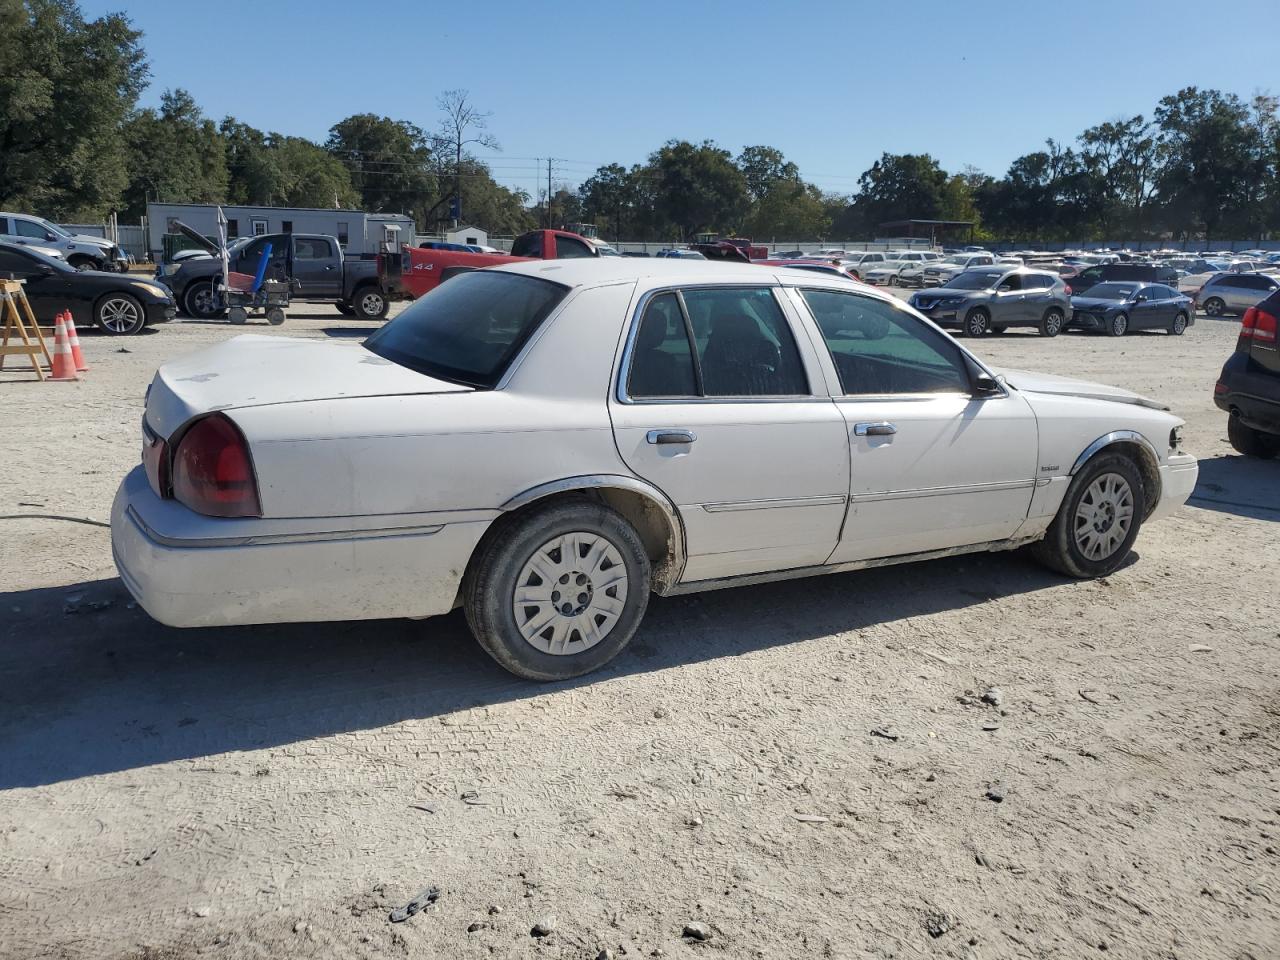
(469, 329)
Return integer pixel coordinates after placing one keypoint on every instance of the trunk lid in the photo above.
(255, 371)
(1027, 381)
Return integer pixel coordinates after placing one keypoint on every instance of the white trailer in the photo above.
(358, 233)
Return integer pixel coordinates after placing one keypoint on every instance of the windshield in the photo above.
(1112, 291)
(470, 327)
(955, 261)
(976, 280)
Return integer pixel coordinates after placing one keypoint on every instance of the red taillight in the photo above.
(1068, 289)
(1248, 322)
(1264, 326)
(212, 472)
(1219, 388)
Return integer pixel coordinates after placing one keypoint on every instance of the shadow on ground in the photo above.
(1244, 486)
(106, 688)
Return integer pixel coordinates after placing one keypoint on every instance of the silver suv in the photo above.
(1235, 292)
(990, 299)
(81, 251)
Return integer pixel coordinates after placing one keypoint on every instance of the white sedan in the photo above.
(546, 444)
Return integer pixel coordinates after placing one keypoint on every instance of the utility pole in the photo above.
(549, 224)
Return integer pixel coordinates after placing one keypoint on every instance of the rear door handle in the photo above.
(671, 436)
(880, 429)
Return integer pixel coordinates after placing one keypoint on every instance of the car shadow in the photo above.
(1244, 486)
(90, 684)
(348, 333)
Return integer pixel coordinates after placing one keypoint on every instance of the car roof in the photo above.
(651, 272)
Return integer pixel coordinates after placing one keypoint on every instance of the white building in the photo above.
(472, 235)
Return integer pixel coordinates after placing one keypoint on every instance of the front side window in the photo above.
(737, 343)
(881, 350)
(14, 264)
(33, 230)
(469, 329)
(311, 248)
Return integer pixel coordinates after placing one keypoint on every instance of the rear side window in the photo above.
(311, 248)
(737, 343)
(469, 329)
(530, 245)
(1037, 281)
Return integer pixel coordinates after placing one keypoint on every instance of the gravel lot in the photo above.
(275, 791)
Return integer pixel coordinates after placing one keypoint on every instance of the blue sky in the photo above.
(830, 84)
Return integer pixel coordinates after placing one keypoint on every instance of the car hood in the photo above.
(256, 371)
(1029, 382)
(96, 241)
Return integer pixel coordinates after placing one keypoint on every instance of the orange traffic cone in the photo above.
(64, 367)
(74, 340)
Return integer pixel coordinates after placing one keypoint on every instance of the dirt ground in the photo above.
(275, 792)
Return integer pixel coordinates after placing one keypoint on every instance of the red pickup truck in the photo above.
(418, 270)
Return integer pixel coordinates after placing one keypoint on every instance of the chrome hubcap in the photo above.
(570, 593)
(1104, 516)
(119, 316)
(202, 300)
(372, 303)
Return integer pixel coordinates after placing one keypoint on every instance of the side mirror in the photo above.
(44, 269)
(1140, 298)
(49, 236)
(985, 385)
(1003, 288)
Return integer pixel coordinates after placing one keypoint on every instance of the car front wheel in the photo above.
(559, 592)
(976, 322)
(1118, 326)
(1098, 521)
(120, 315)
(199, 301)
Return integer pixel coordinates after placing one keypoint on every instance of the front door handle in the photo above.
(881, 429)
(671, 436)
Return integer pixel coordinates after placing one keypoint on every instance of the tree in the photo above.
(389, 162)
(789, 210)
(463, 126)
(176, 154)
(66, 87)
(1121, 157)
(765, 167)
(1207, 139)
(903, 186)
(698, 187)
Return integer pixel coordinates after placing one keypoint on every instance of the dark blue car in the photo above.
(1115, 308)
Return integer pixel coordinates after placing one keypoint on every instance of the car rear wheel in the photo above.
(1118, 326)
(370, 303)
(1098, 521)
(120, 315)
(1052, 322)
(559, 592)
(1250, 442)
(976, 322)
(199, 301)
(1215, 306)
(1179, 325)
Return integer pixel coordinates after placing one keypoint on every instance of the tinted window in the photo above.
(1250, 283)
(14, 263)
(744, 344)
(661, 360)
(469, 329)
(569, 249)
(530, 245)
(312, 248)
(1012, 282)
(880, 349)
(28, 229)
(1037, 281)
(975, 280)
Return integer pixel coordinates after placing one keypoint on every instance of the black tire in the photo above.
(275, 316)
(1118, 325)
(119, 314)
(370, 303)
(1215, 306)
(999, 329)
(1053, 322)
(1059, 550)
(345, 308)
(198, 300)
(494, 574)
(1179, 325)
(238, 315)
(1250, 442)
(976, 323)
(82, 262)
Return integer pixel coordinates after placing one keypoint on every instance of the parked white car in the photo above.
(545, 444)
(890, 271)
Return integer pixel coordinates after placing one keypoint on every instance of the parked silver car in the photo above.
(1235, 292)
(940, 272)
(991, 299)
(81, 251)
